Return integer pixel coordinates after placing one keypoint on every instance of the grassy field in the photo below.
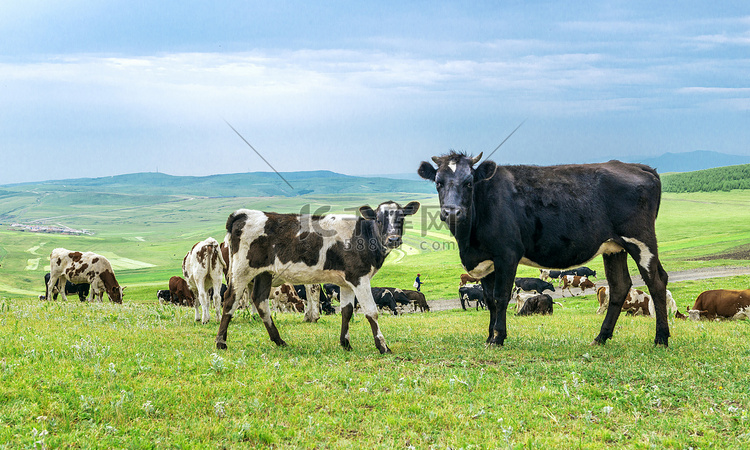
(142, 375)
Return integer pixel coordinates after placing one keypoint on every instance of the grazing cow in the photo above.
(471, 292)
(537, 304)
(558, 216)
(547, 274)
(636, 303)
(721, 303)
(203, 268)
(82, 289)
(399, 296)
(180, 292)
(533, 284)
(383, 299)
(163, 296)
(418, 300)
(285, 299)
(579, 272)
(571, 281)
(466, 278)
(341, 249)
(87, 267)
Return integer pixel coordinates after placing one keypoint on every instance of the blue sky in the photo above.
(98, 88)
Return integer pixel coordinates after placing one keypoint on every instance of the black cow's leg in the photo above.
(501, 295)
(230, 298)
(618, 278)
(261, 290)
(488, 287)
(656, 279)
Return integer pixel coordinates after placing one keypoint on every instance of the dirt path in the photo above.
(684, 275)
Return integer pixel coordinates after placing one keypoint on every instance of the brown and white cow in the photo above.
(87, 267)
(721, 303)
(285, 299)
(466, 278)
(637, 302)
(571, 281)
(269, 248)
(180, 293)
(203, 268)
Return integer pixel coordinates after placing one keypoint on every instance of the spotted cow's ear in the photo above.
(426, 171)
(411, 208)
(485, 171)
(368, 213)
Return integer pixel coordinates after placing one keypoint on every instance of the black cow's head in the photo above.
(389, 217)
(454, 179)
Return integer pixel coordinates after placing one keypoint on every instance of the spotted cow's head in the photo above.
(455, 177)
(389, 218)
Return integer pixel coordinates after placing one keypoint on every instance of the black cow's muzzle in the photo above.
(452, 214)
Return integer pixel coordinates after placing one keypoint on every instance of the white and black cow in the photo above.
(533, 284)
(552, 217)
(87, 267)
(203, 268)
(266, 249)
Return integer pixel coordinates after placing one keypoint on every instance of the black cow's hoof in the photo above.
(221, 345)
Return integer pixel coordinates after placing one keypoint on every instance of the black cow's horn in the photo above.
(436, 160)
(476, 158)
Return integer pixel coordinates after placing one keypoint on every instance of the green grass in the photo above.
(142, 375)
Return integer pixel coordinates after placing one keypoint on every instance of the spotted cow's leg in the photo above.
(656, 279)
(618, 278)
(216, 298)
(347, 311)
(230, 306)
(261, 290)
(370, 309)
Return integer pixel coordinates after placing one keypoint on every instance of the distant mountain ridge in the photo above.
(253, 184)
(692, 161)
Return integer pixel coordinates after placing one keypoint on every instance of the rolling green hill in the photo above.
(708, 180)
(255, 184)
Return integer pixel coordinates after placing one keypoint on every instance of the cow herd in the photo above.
(500, 216)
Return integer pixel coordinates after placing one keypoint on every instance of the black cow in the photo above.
(384, 299)
(163, 296)
(302, 248)
(580, 272)
(534, 284)
(399, 296)
(471, 292)
(82, 289)
(558, 216)
(538, 304)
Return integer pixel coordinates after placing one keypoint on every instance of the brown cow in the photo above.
(725, 303)
(466, 278)
(576, 281)
(418, 300)
(180, 293)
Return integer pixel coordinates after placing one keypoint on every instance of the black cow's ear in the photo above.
(368, 213)
(411, 208)
(485, 171)
(426, 171)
